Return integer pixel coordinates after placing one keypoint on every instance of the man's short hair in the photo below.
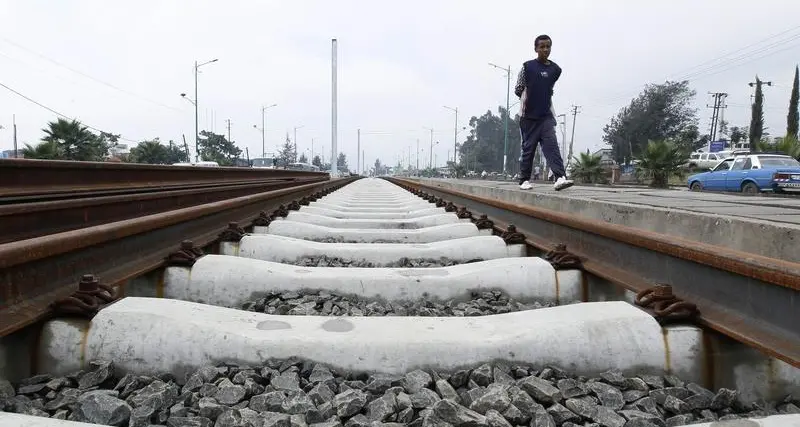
(540, 38)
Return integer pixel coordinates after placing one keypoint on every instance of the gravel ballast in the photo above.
(294, 393)
(325, 261)
(323, 303)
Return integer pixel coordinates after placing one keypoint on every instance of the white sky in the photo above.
(399, 63)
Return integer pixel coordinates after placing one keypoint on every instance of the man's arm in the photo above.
(520, 86)
(557, 74)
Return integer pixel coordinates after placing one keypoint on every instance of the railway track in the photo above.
(370, 305)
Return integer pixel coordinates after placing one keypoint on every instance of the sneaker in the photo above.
(525, 185)
(562, 183)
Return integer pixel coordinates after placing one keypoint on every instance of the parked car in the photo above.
(750, 174)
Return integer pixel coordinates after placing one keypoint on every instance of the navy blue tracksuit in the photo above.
(537, 124)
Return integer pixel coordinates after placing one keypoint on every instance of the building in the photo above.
(606, 157)
(9, 154)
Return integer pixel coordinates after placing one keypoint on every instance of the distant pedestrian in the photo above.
(538, 123)
(537, 172)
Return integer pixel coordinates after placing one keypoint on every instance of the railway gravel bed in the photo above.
(296, 393)
(326, 261)
(323, 303)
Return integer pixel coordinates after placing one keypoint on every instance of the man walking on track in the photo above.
(537, 122)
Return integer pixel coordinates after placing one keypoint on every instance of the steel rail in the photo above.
(27, 220)
(28, 177)
(36, 272)
(750, 298)
(64, 193)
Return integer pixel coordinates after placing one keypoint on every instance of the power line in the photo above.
(761, 52)
(59, 114)
(88, 76)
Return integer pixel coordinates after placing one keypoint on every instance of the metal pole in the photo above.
(430, 161)
(508, 113)
(334, 167)
(14, 122)
(455, 139)
(196, 119)
(417, 155)
(358, 159)
(263, 134)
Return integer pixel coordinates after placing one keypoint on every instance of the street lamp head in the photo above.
(255, 127)
(213, 60)
(183, 95)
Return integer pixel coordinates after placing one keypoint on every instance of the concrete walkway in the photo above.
(768, 226)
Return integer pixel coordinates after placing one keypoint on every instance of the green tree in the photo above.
(216, 148)
(660, 112)
(483, 147)
(151, 152)
(587, 168)
(74, 141)
(739, 134)
(288, 153)
(155, 153)
(175, 154)
(317, 161)
(661, 159)
(303, 158)
(341, 163)
(757, 116)
(793, 118)
(43, 151)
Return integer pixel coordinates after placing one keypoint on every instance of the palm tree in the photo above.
(151, 152)
(659, 160)
(75, 141)
(43, 151)
(587, 168)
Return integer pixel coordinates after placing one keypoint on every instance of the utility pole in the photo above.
(312, 150)
(575, 112)
(334, 167)
(228, 121)
(14, 123)
(358, 158)
(757, 83)
(362, 160)
(505, 124)
(417, 155)
(719, 99)
(455, 135)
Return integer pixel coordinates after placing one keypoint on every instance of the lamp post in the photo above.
(430, 161)
(455, 134)
(505, 125)
(196, 114)
(263, 128)
(295, 137)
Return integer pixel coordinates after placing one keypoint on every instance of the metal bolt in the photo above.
(88, 283)
(662, 291)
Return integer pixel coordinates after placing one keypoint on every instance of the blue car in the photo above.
(750, 174)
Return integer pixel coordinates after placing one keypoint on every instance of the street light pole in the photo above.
(264, 129)
(196, 114)
(508, 113)
(455, 135)
(295, 138)
(430, 161)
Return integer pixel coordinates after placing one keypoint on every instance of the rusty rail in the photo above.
(37, 272)
(27, 220)
(22, 177)
(751, 298)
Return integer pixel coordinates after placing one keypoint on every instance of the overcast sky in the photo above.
(124, 64)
